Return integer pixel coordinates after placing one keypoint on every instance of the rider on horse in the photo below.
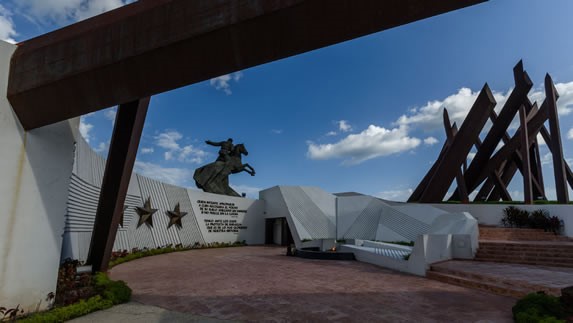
(226, 149)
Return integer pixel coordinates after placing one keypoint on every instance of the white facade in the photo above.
(210, 217)
(35, 168)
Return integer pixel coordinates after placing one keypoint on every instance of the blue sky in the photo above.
(364, 115)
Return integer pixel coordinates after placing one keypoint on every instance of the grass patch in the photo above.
(110, 293)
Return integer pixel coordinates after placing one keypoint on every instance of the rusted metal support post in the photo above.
(522, 86)
(545, 133)
(445, 173)
(451, 132)
(526, 166)
(556, 147)
(119, 166)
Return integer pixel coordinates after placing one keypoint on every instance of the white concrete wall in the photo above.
(35, 168)
(491, 214)
(244, 212)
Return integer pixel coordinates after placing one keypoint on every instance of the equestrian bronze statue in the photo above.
(214, 177)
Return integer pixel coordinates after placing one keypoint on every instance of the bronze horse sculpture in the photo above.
(214, 177)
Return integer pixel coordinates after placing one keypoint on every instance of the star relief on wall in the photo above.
(145, 213)
(175, 217)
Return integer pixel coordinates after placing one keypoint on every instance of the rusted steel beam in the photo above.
(556, 147)
(522, 86)
(119, 166)
(445, 173)
(537, 170)
(451, 132)
(535, 121)
(547, 137)
(501, 186)
(417, 193)
(526, 166)
(153, 46)
(515, 163)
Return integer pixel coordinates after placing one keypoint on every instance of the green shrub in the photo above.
(538, 307)
(113, 290)
(539, 219)
(514, 217)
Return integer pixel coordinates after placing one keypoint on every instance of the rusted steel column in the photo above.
(119, 165)
(526, 166)
(451, 132)
(536, 120)
(537, 170)
(545, 133)
(556, 147)
(445, 173)
(522, 86)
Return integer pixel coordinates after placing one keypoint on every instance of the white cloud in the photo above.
(147, 150)
(565, 101)
(540, 140)
(430, 141)
(547, 159)
(223, 82)
(85, 129)
(429, 117)
(64, 11)
(371, 143)
(570, 134)
(331, 133)
(175, 176)
(102, 147)
(168, 141)
(277, 131)
(110, 114)
(344, 126)
(7, 30)
(396, 195)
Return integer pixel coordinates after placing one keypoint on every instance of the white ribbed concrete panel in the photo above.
(366, 224)
(88, 165)
(308, 214)
(189, 233)
(421, 212)
(323, 200)
(162, 235)
(82, 206)
(402, 223)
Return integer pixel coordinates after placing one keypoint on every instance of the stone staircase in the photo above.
(513, 262)
(514, 280)
(557, 254)
(487, 233)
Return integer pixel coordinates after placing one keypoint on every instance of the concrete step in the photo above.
(498, 278)
(525, 253)
(554, 263)
(476, 284)
(518, 234)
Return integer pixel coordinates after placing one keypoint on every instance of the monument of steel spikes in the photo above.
(492, 170)
(214, 177)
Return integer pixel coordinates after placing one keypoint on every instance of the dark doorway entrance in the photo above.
(277, 232)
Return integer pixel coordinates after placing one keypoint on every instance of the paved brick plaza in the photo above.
(260, 283)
